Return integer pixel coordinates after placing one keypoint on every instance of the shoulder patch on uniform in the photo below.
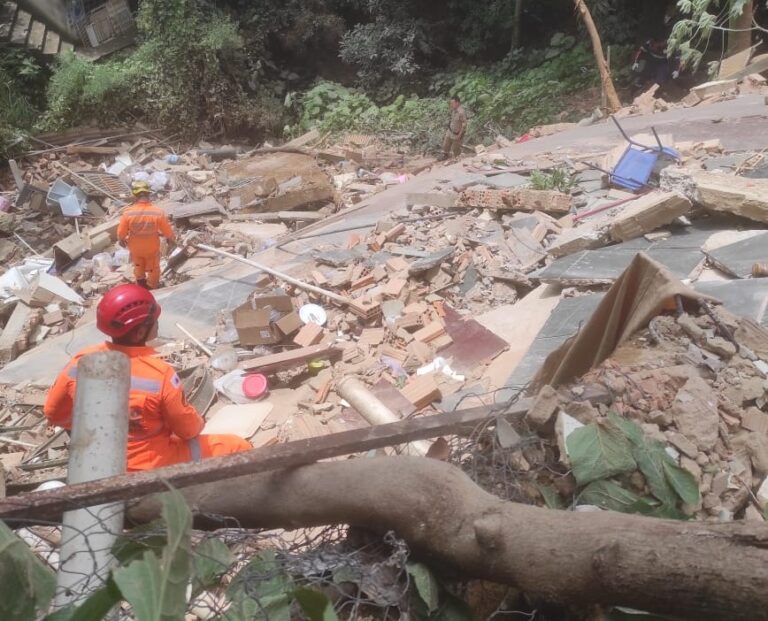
(175, 381)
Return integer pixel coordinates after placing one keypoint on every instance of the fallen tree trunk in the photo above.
(49, 505)
(689, 569)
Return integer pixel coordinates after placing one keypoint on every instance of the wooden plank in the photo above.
(49, 505)
(303, 140)
(289, 359)
(88, 150)
(17, 176)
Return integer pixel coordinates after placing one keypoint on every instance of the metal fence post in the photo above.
(97, 450)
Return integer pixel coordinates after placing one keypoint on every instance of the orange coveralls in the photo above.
(141, 226)
(161, 421)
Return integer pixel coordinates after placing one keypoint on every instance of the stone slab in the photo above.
(681, 253)
(748, 298)
(738, 258)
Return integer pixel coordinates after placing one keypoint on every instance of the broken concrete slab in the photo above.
(432, 199)
(564, 321)
(721, 193)
(260, 232)
(13, 331)
(606, 264)
(694, 411)
(506, 181)
(240, 420)
(178, 211)
(702, 91)
(747, 298)
(648, 213)
(589, 236)
(517, 199)
(738, 258)
(195, 305)
(430, 261)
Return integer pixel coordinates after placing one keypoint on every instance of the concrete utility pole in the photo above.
(97, 450)
(602, 64)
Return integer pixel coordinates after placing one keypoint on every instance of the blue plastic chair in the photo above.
(635, 167)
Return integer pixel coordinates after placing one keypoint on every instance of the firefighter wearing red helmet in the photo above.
(163, 429)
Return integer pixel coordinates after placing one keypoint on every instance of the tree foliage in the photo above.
(22, 82)
(510, 98)
(691, 35)
(184, 76)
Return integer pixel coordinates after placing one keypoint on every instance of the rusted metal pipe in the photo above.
(97, 450)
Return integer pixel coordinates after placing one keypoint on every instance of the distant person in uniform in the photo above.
(457, 127)
(141, 226)
(653, 65)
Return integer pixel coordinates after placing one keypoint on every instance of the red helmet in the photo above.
(125, 307)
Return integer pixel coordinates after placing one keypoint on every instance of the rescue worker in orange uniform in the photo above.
(140, 228)
(163, 428)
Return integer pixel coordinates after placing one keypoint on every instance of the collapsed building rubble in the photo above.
(462, 295)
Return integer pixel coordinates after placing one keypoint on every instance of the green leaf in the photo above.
(150, 537)
(96, 607)
(27, 584)
(683, 482)
(211, 559)
(315, 605)
(426, 584)
(650, 457)
(551, 496)
(598, 451)
(261, 590)
(156, 588)
(665, 478)
(612, 496)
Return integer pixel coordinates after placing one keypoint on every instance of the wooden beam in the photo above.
(49, 505)
(76, 149)
(289, 359)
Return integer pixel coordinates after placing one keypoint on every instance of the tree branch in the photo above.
(690, 569)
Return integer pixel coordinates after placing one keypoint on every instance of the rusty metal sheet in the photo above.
(472, 343)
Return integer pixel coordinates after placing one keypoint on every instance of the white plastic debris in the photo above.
(231, 386)
(440, 364)
(158, 180)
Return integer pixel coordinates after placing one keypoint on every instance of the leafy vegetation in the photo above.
(22, 81)
(494, 101)
(701, 18)
(182, 77)
(158, 569)
(559, 179)
(605, 453)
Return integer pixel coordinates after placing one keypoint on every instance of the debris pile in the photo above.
(455, 297)
(693, 387)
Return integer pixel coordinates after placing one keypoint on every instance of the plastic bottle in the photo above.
(172, 158)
